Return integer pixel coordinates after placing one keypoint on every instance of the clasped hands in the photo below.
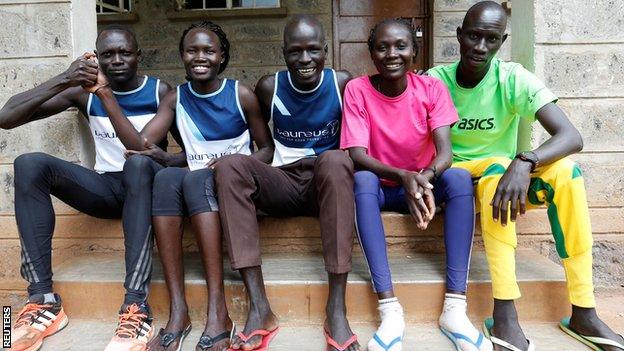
(85, 71)
(419, 197)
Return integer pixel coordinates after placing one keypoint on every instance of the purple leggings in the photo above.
(453, 188)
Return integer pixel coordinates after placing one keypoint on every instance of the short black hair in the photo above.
(304, 19)
(216, 29)
(118, 28)
(398, 20)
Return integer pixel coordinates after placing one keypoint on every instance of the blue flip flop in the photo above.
(455, 337)
(387, 347)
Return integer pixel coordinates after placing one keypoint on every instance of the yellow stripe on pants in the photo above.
(560, 187)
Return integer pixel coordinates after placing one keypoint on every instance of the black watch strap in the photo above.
(529, 156)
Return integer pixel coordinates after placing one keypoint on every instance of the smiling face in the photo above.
(305, 52)
(118, 56)
(480, 37)
(202, 55)
(392, 50)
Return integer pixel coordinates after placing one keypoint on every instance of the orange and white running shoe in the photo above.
(36, 321)
(133, 331)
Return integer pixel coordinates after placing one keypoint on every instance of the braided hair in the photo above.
(398, 20)
(216, 29)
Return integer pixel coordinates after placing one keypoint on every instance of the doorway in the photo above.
(353, 20)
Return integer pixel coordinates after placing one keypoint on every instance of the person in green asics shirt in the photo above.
(491, 97)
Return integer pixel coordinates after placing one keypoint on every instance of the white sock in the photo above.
(392, 325)
(454, 320)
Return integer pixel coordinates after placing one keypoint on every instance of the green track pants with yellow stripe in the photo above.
(560, 187)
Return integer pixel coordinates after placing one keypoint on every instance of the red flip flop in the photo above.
(333, 343)
(267, 336)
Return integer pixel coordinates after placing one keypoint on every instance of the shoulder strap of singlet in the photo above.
(240, 108)
(157, 92)
(89, 100)
(337, 87)
(274, 93)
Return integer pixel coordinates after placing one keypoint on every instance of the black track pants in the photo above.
(126, 194)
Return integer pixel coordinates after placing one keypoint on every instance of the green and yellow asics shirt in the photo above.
(489, 113)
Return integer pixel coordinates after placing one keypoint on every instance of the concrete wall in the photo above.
(447, 16)
(255, 41)
(39, 39)
(576, 48)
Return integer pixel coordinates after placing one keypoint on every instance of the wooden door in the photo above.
(353, 20)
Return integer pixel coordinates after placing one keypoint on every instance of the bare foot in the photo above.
(257, 318)
(177, 322)
(337, 326)
(213, 329)
(506, 326)
(585, 321)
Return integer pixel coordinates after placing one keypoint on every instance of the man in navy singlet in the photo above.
(117, 188)
(308, 177)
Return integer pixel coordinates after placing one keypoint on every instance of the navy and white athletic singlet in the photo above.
(139, 105)
(211, 125)
(305, 123)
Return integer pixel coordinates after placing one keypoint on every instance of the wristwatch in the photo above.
(529, 156)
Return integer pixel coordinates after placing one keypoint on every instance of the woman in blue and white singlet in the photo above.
(216, 117)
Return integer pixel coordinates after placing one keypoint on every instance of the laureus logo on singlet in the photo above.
(467, 123)
(232, 149)
(105, 135)
(330, 130)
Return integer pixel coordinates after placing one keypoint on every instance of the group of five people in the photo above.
(413, 142)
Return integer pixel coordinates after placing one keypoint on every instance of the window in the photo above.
(104, 7)
(226, 4)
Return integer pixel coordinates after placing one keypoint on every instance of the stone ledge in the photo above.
(535, 222)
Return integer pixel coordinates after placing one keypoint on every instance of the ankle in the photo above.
(584, 313)
(260, 309)
(179, 309)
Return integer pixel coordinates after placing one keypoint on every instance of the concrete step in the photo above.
(94, 335)
(91, 286)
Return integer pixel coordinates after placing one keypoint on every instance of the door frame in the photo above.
(428, 9)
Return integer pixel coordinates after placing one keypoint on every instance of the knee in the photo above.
(565, 170)
(168, 179)
(334, 163)
(137, 163)
(167, 190)
(497, 167)
(138, 170)
(229, 168)
(365, 182)
(27, 168)
(198, 188)
(200, 180)
(458, 182)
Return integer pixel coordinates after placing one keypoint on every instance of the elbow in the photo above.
(578, 142)
(269, 149)
(4, 124)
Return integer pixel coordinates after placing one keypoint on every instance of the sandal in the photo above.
(207, 341)
(267, 336)
(333, 343)
(593, 342)
(167, 338)
(487, 330)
